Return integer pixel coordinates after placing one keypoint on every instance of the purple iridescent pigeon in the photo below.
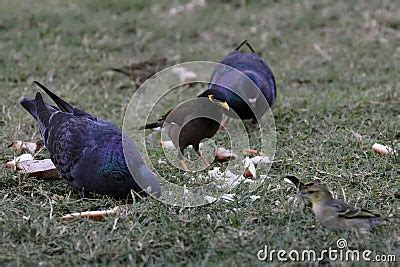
(249, 97)
(88, 151)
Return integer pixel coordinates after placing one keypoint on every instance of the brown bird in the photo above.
(191, 122)
(140, 72)
(335, 214)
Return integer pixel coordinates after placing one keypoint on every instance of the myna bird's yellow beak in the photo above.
(220, 103)
(224, 105)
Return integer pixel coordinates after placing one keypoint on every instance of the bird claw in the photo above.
(206, 164)
(183, 164)
(224, 124)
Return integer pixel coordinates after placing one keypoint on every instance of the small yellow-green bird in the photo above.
(302, 186)
(335, 214)
(299, 184)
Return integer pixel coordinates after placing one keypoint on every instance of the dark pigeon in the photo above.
(245, 95)
(88, 151)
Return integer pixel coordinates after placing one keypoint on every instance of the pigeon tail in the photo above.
(29, 104)
(152, 125)
(64, 106)
(42, 113)
(43, 116)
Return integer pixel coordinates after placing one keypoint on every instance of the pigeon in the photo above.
(88, 151)
(190, 122)
(336, 214)
(248, 98)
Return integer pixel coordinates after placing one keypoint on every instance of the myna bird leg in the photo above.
(197, 149)
(252, 125)
(206, 164)
(182, 160)
(224, 124)
(184, 166)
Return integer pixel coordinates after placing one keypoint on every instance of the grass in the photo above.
(337, 70)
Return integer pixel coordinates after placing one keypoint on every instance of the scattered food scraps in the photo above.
(167, 145)
(160, 161)
(39, 168)
(222, 154)
(260, 159)
(250, 151)
(215, 173)
(94, 215)
(226, 179)
(185, 75)
(27, 147)
(382, 149)
(224, 197)
(254, 198)
(170, 145)
(249, 168)
(210, 199)
(28, 165)
(228, 197)
(15, 163)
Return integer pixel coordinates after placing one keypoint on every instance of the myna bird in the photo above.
(191, 122)
(336, 214)
(88, 151)
(249, 88)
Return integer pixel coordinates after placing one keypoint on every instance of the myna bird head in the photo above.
(316, 193)
(220, 103)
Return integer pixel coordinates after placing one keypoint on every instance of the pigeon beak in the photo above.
(220, 103)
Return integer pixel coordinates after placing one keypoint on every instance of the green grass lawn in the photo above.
(336, 66)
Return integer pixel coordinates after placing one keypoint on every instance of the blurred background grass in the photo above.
(337, 70)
